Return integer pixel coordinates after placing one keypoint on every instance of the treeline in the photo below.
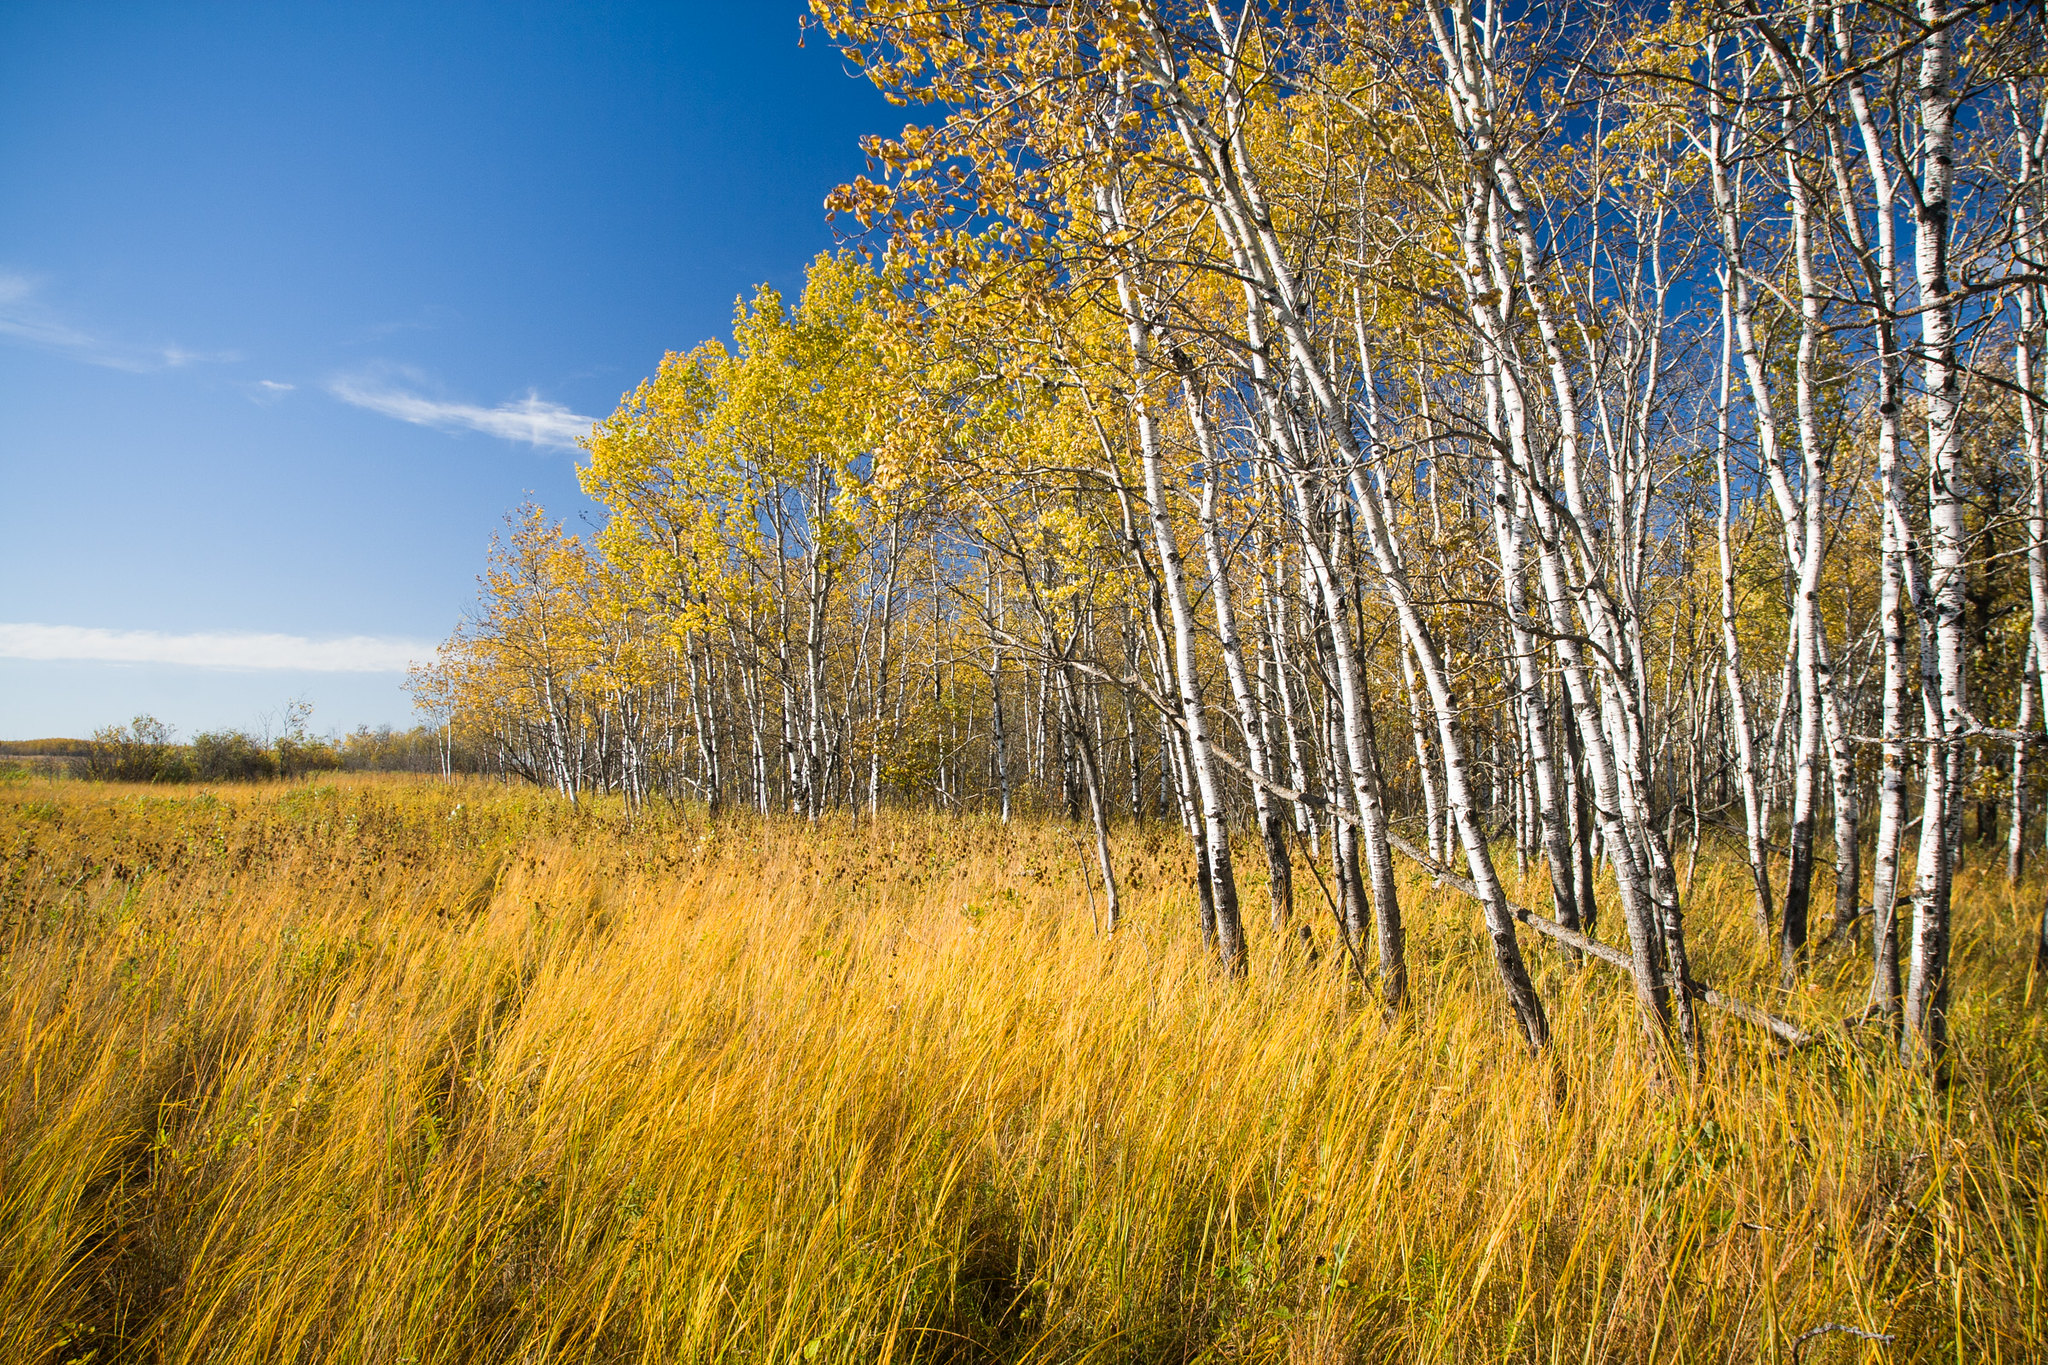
(44, 748)
(147, 750)
(1366, 431)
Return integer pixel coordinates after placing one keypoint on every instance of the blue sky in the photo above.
(297, 301)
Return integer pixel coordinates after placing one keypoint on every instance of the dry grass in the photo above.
(398, 1072)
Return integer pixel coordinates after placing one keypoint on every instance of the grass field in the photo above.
(395, 1071)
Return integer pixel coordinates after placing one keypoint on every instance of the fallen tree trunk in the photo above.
(1783, 1030)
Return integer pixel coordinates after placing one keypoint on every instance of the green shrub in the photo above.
(298, 755)
(231, 756)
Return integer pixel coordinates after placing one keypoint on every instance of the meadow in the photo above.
(407, 1071)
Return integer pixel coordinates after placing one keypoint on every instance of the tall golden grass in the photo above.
(395, 1071)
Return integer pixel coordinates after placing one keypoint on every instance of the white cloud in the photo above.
(549, 426)
(213, 649)
(274, 386)
(22, 318)
(25, 319)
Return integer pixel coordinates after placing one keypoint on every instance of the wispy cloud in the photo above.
(213, 649)
(531, 419)
(28, 321)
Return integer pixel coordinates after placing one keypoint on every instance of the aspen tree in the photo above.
(1927, 982)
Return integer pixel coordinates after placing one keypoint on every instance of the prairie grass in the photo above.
(396, 1071)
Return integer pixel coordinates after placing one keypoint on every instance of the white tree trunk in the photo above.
(1250, 716)
(1927, 982)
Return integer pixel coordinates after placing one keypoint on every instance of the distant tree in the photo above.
(297, 752)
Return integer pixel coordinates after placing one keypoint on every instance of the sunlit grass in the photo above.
(390, 1071)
